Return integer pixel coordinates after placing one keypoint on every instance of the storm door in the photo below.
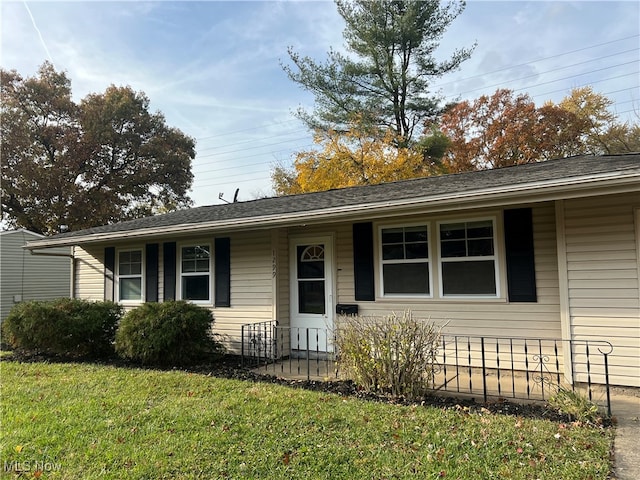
(311, 294)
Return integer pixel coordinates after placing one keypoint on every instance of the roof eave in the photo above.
(532, 192)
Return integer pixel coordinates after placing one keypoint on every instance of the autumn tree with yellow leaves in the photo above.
(357, 157)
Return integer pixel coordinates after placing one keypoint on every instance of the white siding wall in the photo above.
(602, 273)
(30, 277)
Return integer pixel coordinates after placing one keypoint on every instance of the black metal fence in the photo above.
(496, 367)
(302, 352)
(523, 368)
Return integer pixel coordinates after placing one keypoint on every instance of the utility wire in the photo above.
(275, 124)
(254, 147)
(452, 82)
(545, 83)
(439, 86)
(538, 60)
(254, 140)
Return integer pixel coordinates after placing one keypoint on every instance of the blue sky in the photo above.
(213, 67)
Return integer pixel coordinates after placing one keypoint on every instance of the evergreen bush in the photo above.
(173, 333)
(65, 326)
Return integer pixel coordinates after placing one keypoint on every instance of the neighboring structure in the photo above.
(546, 250)
(25, 276)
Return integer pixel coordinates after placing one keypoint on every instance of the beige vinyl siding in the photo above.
(89, 273)
(494, 317)
(26, 277)
(280, 246)
(602, 274)
(251, 282)
(488, 318)
(251, 287)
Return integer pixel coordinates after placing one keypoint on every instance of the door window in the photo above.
(311, 278)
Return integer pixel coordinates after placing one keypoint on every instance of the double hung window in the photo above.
(129, 275)
(405, 260)
(468, 264)
(195, 273)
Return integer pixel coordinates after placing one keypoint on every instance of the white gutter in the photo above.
(568, 187)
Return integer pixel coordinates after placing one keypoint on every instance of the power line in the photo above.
(254, 147)
(289, 150)
(222, 179)
(538, 60)
(546, 83)
(246, 129)
(253, 140)
(253, 179)
(580, 86)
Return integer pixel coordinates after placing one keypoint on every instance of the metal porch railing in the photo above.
(494, 367)
(293, 351)
(522, 368)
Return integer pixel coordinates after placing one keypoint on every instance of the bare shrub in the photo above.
(392, 354)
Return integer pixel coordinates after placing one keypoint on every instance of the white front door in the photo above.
(312, 293)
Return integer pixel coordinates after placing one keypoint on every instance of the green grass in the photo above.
(79, 421)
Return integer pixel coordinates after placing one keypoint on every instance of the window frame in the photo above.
(141, 275)
(180, 274)
(496, 258)
(428, 260)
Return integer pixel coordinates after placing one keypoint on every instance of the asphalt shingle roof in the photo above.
(422, 188)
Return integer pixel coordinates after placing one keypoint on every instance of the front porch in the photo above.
(529, 369)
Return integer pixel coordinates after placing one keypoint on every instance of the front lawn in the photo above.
(79, 421)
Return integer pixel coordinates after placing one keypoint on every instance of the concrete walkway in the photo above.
(625, 408)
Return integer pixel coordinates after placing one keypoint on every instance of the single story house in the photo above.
(544, 250)
(24, 276)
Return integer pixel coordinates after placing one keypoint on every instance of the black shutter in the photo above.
(223, 272)
(169, 277)
(363, 261)
(521, 268)
(151, 272)
(109, 273)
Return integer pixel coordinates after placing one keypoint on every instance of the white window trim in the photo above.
(179, 274)
(496, 257)
(141, 276)
(382, 262)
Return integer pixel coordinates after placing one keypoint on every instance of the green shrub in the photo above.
(65, 326)
(393, 355)
(576, 405)
(167, 334)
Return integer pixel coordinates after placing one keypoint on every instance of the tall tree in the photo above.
(357, 157)
(79, 165)
(503, 129)
(385, 78)
(604, 134)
